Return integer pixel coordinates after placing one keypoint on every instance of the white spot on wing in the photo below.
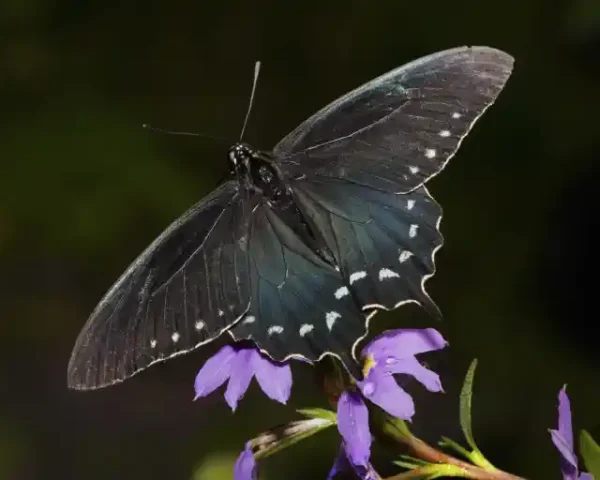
(404, 256)
(274, 329)
(357, 276)
(153, 343)
(330, 318)
(199, 325)
(445, 133)
(220, 313)
(175, 337)
(414, 170)
(456, 115)
(341, 292)
(430, 153)
(412, 232)
(387, 273)
(249, 319)
(410, 204)
(306, 328)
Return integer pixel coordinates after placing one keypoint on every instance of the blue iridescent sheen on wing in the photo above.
(300, 304)
(384, 243)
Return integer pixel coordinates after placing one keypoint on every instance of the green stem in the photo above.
(397, 430)
(422, 450)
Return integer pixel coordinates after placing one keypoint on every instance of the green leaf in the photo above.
(449, 443)
(278, 438)
(407, 465)
(590, 451)
(319, 413)
(466, 395)
(415, 461)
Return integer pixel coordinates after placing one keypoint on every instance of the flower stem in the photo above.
(397, 430)
(415, 473)
(425, 451)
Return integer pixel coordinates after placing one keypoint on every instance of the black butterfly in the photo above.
(303, 244)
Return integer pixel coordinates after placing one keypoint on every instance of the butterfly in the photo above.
(301, 245)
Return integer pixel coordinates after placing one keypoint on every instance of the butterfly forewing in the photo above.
(188, 286)
(397, 131)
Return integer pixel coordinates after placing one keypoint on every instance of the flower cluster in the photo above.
(387, 355)
(390, 354)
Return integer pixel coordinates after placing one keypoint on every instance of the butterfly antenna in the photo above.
(256, 72)
(171, 132)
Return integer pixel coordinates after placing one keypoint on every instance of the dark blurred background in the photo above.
(83, 189)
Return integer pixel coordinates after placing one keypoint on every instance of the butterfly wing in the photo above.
(300, 304)
(384, 243)
(383, 246)
(184, 290)
(397, 131)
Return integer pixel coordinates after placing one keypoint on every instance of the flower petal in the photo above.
(569, 464)
(353, 425)
(565, 426)
(586, 476)
(240, 377)
(381, 388)
(245, 466)
(411, 366)
(563, 437)
(340, 464)
(274, 378)
(366, 473)
(403, 343)
(214, 372)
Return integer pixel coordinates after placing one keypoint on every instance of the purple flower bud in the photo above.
(245, 466)
(353, 425)
(563, 440)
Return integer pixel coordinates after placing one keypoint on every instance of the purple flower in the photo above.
(394, 352)
(391, 353)
(239, 365)
(563, 440)
(245, 466)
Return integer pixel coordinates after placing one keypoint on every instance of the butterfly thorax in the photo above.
(256, 171)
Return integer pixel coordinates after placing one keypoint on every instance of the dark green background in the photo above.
(83, 189)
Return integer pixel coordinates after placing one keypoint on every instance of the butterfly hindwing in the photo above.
(384, 243)
(186, 288)
(397, 131)
(300, 304)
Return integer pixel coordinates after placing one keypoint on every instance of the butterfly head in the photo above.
(239, 156)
